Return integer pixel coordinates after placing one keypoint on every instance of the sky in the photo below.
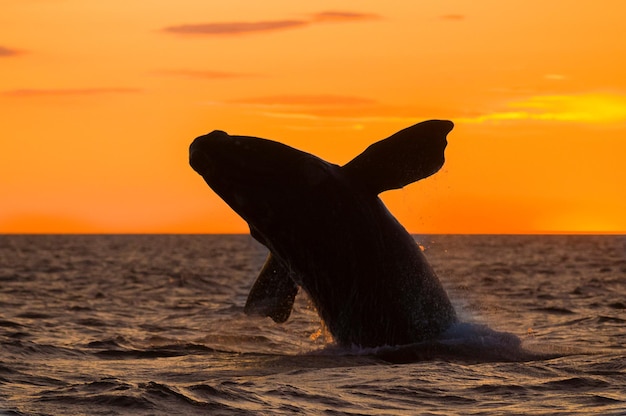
(99, 102)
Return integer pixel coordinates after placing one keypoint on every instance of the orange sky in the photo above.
(100, 100)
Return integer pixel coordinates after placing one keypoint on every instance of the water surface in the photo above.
(106, 325)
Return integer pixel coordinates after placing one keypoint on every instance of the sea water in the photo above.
(154, 325)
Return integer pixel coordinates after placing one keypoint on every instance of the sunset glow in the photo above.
(100, 100)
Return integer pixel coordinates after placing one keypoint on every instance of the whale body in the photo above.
(329, 233)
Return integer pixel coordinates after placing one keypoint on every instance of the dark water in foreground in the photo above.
(107, 325)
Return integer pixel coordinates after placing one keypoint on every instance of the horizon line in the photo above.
(533, 233)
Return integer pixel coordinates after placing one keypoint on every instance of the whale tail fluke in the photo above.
(403, 158)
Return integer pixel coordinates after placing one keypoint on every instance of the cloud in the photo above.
(7, 52)
(69, 92)
(337, 16)
(307, 100)
(234, 28)
(309, 107)
(198, 74)
(243, 27)
(575, 108)
(334, 108)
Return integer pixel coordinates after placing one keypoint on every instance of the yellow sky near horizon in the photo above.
(100, 100)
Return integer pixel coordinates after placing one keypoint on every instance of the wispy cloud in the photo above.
(313, 106)
(28, 92)
(594, 109)
(338, 16)
(247, 27)
(576, 108)
(334, 108)
(200, 74)
(7, 52)
(234, 28)
(307, 100)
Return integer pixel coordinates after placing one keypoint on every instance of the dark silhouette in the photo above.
(328, 232)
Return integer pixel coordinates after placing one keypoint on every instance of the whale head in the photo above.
(257, 178)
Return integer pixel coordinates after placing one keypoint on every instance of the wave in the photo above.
(463, 342)
(467, 342)
(120, 348)
(120, 397)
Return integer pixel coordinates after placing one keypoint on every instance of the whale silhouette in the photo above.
(328, 232)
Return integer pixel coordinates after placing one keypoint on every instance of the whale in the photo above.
(329, 233)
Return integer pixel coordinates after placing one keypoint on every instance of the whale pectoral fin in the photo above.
(403, 158)
(273, 293)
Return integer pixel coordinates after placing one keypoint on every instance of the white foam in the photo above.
(478, 335)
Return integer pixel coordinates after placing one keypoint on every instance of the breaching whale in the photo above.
(329, 233)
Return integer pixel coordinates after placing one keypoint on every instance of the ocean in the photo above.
(154, 325)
